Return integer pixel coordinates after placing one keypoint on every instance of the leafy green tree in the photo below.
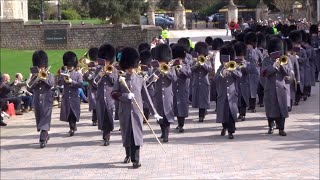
(118, 11)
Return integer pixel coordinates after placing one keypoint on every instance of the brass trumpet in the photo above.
(231, 65)
(283, 60)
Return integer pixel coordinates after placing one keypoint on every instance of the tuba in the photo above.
(283, 60)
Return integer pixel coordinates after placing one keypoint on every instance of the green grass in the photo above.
(14, 61)
(86, 21)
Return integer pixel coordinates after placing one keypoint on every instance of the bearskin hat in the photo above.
(178, 51)
(251, 38)
(144, 46)
(70, 59)
(240, 36)
(261, 40)
(129, 58)
(240, 48)
(275, 44)
(40, 59)
(313, 29)
(201, 48)
(107, 52)
(217, 43)
(295, 36)
(209, 40)
(227, 50)
(145, 57)
(185, 42)
(163, 53)
(93, 53)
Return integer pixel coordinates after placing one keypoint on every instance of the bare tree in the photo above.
(284, 6)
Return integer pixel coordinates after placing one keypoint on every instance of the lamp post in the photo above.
(59, 14)
(41, 13)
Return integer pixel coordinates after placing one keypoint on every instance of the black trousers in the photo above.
(181, 121)
(165, 127)
(243, 107)
(202, 112)
(133, 151)
(230, 124)
(94, 115)
(280, 122)
(72, 119)
(252, 103)
(260, 93)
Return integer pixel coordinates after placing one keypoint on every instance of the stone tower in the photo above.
(14, 9)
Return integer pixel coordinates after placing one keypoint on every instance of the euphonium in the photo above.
(164, 68)
(231, 65)
(283, 60)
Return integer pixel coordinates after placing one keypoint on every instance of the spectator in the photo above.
(20, 90)
(6, 94)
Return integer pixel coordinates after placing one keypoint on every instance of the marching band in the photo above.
(162, 81)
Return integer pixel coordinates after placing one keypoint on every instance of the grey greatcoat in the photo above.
(275, 92)
(70, 96)
(42, 102)
(201, 85)
(295, 67)
(181, 92)
(92, 89)
(227, 90)
(243, 84)
(105, 103)
(163, 94)
(253, 70)
(131, 120)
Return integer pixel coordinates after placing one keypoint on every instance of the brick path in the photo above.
(200, 152)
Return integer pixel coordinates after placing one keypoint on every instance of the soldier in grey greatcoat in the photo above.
(131, 119)
(105, 82)
(253, 56)
(163, 94)
(315, 44)
(92, 87)
(243, 82)
(227, 89)
(42, 98)
(275, 92)
(200, 82)
(294, 71)
(296, 38)
(71, 80)
(181, 86)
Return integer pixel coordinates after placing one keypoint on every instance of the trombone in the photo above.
(105, 70)
(41, 75)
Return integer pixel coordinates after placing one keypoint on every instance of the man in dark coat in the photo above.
(253, 56)
(227, 100)
(92, 87)
(275, 92)
(131, 119)
(71, 80)
(243, 82)
(105, 81)
(42, 97)
(163, 95)
(181, 86)
(200, 83)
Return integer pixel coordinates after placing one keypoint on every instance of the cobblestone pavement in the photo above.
(199, 153)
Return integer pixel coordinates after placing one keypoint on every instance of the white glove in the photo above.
(130, 96)
(158, 117)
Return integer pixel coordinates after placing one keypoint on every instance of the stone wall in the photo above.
(16, 34)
